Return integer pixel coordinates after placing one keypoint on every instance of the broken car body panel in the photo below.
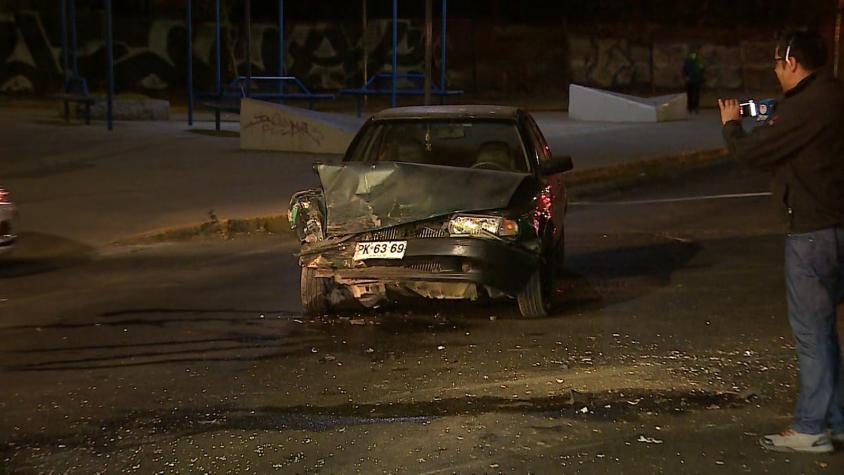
(363, 197)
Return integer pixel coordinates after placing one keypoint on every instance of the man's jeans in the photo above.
(814, 274)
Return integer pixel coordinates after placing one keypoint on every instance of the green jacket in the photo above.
(803, 146)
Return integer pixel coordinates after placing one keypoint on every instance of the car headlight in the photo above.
(478, 225)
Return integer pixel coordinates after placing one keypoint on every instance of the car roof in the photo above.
(449, 112)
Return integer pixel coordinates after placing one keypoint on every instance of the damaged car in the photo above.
(442, 202)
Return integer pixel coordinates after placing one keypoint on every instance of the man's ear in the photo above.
(791, 64)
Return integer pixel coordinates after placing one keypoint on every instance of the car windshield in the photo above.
(491, 145)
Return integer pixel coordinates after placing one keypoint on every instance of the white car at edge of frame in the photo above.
(8, 222)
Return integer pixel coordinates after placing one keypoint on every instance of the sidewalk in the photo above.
(93, 187)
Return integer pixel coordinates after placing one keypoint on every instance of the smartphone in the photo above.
(748, 109)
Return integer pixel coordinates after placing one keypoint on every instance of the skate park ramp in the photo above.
(269, 126)
(586, 103)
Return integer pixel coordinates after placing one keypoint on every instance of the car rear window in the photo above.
(486, 144)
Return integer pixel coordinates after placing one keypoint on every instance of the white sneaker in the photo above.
(790, 440)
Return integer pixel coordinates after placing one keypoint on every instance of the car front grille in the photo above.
(406, 232)
(388, 234)
(434, 264)
(428, 232)
(425, 264)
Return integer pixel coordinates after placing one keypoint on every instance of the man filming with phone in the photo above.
(802, 145)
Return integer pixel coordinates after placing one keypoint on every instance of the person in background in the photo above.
(802, 145)
(693, 75)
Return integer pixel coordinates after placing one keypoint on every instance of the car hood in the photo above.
(363, 196)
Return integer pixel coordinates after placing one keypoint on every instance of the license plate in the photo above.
(380, 250)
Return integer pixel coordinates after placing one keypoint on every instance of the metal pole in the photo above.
(395, 52)
(365, 46)
(837, 58)
(281, 37)
(218, 90)
(189, 27)
(65, 60)
(442, 48)
(281, 46)
(248, 15)
(110, 65)
(73, 42)
(365, 51)
(429, 49)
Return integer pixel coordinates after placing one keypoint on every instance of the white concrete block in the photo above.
(586, 103)
(269, 126)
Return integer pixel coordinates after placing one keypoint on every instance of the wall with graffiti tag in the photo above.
(150, 57)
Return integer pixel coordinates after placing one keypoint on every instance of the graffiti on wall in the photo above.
(277, 124)
(608, 62)
(616, 63)
(324, 55)
(328, 56)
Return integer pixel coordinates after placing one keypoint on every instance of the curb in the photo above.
(578, 182)
(596, 180)
(224, 229)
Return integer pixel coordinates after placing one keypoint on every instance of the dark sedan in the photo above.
(447, 202)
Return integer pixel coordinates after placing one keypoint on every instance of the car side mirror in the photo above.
(556, 165)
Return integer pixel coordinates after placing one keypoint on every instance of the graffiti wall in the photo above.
(150, 57)
(617, 63)
(324, 55)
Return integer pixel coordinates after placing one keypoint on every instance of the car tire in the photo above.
(533, 301)
(314, 292)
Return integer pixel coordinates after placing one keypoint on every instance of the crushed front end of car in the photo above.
(395, 228)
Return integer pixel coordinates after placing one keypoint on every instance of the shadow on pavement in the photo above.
(595, 279)
(38, 253)
(188, 422)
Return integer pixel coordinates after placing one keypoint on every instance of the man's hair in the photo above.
(807, 47)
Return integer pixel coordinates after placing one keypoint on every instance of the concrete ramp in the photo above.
(586, 103)
(270, 126)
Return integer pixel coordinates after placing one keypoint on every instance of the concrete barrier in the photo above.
(586, 103)
(270, 126)
(122, 109)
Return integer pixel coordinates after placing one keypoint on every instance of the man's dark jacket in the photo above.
(803, 145)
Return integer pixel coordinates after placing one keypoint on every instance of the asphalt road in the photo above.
(668, 352)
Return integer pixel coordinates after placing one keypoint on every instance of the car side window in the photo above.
(542, 148)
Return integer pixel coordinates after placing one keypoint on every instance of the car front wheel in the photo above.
(314, 292)
(533, 299)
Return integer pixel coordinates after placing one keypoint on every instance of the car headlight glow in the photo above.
(476, 225)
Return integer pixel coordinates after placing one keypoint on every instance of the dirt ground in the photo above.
(668, 352)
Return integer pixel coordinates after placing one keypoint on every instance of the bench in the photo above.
(269, 88)
(279, 88)
(374, 87)
(76, 90)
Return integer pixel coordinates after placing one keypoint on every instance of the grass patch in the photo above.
(225, 229)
